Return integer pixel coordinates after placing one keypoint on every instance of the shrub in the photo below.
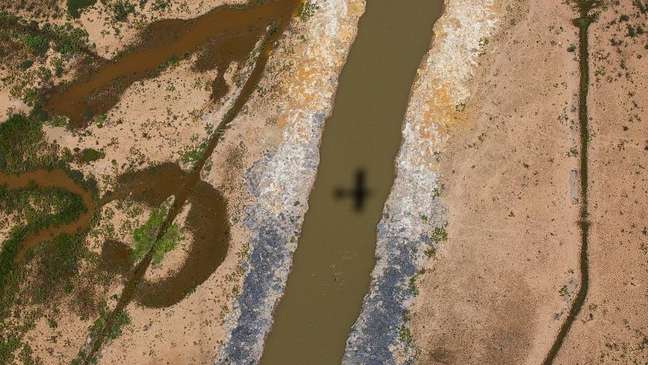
(8, 346)
(37, 44)
(145, 237)
(439, 234)
(90, 154)
(75, 7)
(25, 64)
(68, 39)
(307, 10)
(121, 10)
(20, 138)
(160, 5)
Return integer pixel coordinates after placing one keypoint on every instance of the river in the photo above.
(335, 255)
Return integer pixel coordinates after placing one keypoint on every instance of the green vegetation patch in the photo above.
(145, 237)
(57, 267)
(21, 138)
(38, 44)
(90, 154)
(192, 155)
(42, 208)
(67, 38)
(120, 320)
(121, 9)
(76, 7)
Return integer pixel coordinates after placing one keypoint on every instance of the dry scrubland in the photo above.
(500, 146)
(133, 159)
(497, 290)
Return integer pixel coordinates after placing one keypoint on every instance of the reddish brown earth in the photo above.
(612, 327)
(499, 288)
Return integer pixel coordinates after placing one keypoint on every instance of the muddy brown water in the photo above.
(50, 179)
(223, 35)
(335, 254)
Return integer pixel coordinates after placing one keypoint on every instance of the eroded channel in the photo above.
(586, 17)
(335, 254)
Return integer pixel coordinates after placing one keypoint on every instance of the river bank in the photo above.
(480, 243)
(262, 167)
(281, 181)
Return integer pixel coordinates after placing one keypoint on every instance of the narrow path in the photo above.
(88, 354)
(582, 22)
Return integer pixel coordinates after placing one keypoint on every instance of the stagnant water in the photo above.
(225, 34)
(335, 255)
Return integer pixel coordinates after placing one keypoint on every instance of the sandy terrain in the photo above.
(494, 286)
(497, 290)
(489, 158)
(612, 327)
(142, 131)
(10, 105)
(190, 331)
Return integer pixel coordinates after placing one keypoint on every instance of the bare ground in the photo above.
(497, 290)
(612, 327)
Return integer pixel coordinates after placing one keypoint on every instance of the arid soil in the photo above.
(478, 248)
(165, 120)
(499, 286)
(494, 286)
(612, 327)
